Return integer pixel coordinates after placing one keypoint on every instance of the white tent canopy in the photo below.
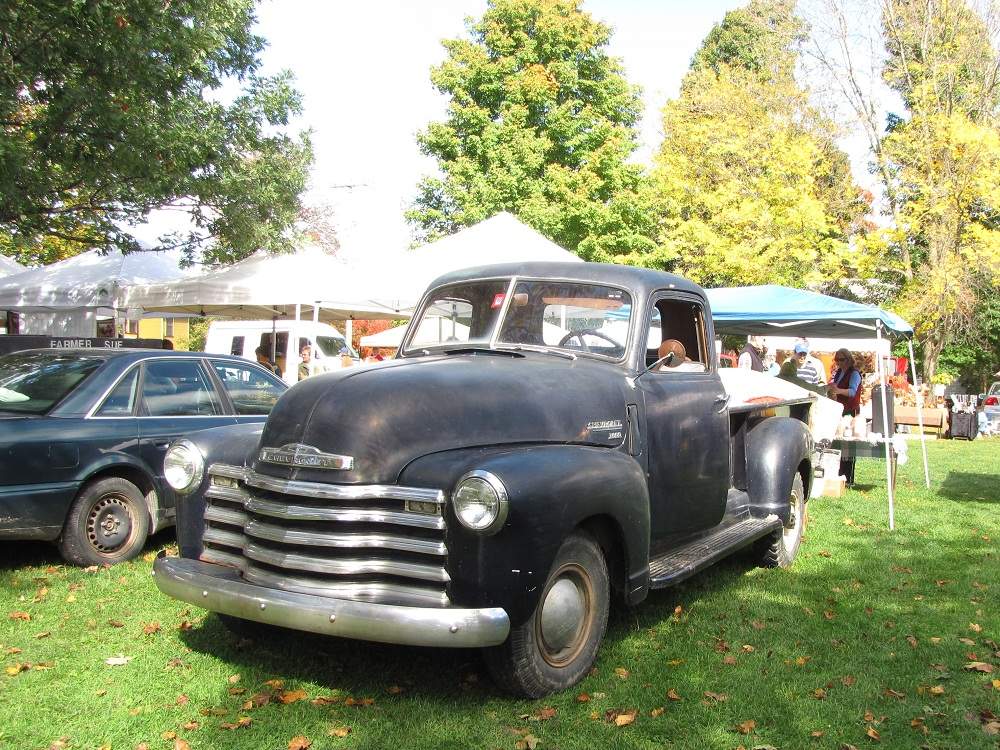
(9, 266)
(65, 298)
(499, 239)
(266, 286)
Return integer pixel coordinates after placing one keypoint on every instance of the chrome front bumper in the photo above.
(220, 589)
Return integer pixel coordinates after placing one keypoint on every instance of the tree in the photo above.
(936, 163)
(541, 123)
(751, 185)
(112, 108)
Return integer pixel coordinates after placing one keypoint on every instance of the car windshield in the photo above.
(572, 316)
(34, 382)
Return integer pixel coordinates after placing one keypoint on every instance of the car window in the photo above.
(121, 401)
(251, 390)
(178, 389)
(677, 331)
(34, 382)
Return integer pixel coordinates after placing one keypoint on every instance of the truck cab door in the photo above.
(687, 424)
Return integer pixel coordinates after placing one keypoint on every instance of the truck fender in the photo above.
(776, 449)
(552, 490)
(235, 445)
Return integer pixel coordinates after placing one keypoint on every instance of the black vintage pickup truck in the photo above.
(549, 438)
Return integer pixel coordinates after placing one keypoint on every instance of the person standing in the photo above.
(752, 356)
(810, 369)
(305, 355)
(264, 358)
(845, 387)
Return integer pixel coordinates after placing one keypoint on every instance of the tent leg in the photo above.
(312, 359)
(920, 419)
(888, 428)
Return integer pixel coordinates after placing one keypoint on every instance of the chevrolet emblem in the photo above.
(306, 456)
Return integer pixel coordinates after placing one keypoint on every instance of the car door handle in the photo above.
(723, 399)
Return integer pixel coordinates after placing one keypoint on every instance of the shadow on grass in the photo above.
(967, 486)
(19, 554)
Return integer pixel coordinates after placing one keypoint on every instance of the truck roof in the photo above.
(640, 281)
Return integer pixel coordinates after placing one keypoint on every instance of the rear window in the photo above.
(34, 382)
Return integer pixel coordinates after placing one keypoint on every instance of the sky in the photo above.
(364, 72)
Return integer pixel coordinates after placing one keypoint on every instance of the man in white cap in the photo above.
(810, 369)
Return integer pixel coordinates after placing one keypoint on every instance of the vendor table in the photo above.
(863, 448)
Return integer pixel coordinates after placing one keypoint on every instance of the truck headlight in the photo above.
(183, 466)
(480, 502)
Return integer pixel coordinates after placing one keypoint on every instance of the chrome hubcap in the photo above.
(791, 530)
(566, 616)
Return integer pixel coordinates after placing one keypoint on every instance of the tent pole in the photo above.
(920, 418)
(293, 345)
(880, 368)
(312, 359)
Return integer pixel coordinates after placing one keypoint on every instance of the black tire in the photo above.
(527, 663)
(778, 550)
(107, 524)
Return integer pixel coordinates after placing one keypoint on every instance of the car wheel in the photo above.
(107, 524)
(778, 550)
(556, 647)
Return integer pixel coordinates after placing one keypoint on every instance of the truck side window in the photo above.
(677, 330)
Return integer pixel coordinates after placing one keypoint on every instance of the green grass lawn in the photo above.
(863, 642)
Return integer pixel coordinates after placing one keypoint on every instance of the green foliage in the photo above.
(945, 157)
(749, 182)
(541, 123)
(112, 108)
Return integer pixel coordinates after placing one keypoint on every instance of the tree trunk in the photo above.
(933, 344)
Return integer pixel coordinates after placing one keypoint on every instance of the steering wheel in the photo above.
(587, 332)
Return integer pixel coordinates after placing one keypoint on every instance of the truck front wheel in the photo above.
(556, 647)
(778, 550)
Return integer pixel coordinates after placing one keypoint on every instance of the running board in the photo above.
(683, 562)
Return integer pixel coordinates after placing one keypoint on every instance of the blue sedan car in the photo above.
(83, 433)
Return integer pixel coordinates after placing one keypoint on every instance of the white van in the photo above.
(242, 337)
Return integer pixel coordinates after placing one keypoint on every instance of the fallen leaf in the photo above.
(299, 743)
(151, 628)
(978, 666)
(975, 628)
(657, 711)
(819, 694)
(43, 634)
(528, 742)
(290, 696)
(182, 700)
(184, 625)
(890, 693)
(359, 702)
(847, 680)
(17, 669)
(758, 625)
(236, 691)
(212, 711)
(23, 616)
(816, 734)
(117, 661)
(828, 615)
(746, 648)
(242, 722)
(339, 731)
(802, 660)
(717, 697)
(180, 744)
(275, 684)
(967, 641)
(746, 727)
(394, 690)
(622, 672)
(190, 725)
(824, 553)
(621, 717)
(675, 662)
(116, 623)
(583, 698)
(996, 684)
(872, 733)
(168, 735)
(673, 695)
(233, 679)
(869, 716)
(721, 646)
(729, 659)
(545, 714)
(937, 690)
(912, 641)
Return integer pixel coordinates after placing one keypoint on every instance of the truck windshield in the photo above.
(567, 315)
(34, 382)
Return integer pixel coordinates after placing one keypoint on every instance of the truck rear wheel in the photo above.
(778, 550)
(556, 647)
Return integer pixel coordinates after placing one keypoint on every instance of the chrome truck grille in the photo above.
(371, 543)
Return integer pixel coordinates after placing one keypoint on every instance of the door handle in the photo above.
(723, 399)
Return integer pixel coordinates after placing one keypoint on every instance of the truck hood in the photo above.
(386, 415)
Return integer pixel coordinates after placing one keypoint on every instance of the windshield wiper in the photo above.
(480, 349)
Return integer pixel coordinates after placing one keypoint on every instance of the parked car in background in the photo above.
(991, 406)
(83, 433)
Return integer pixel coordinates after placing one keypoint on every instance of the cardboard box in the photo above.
(834, 486)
